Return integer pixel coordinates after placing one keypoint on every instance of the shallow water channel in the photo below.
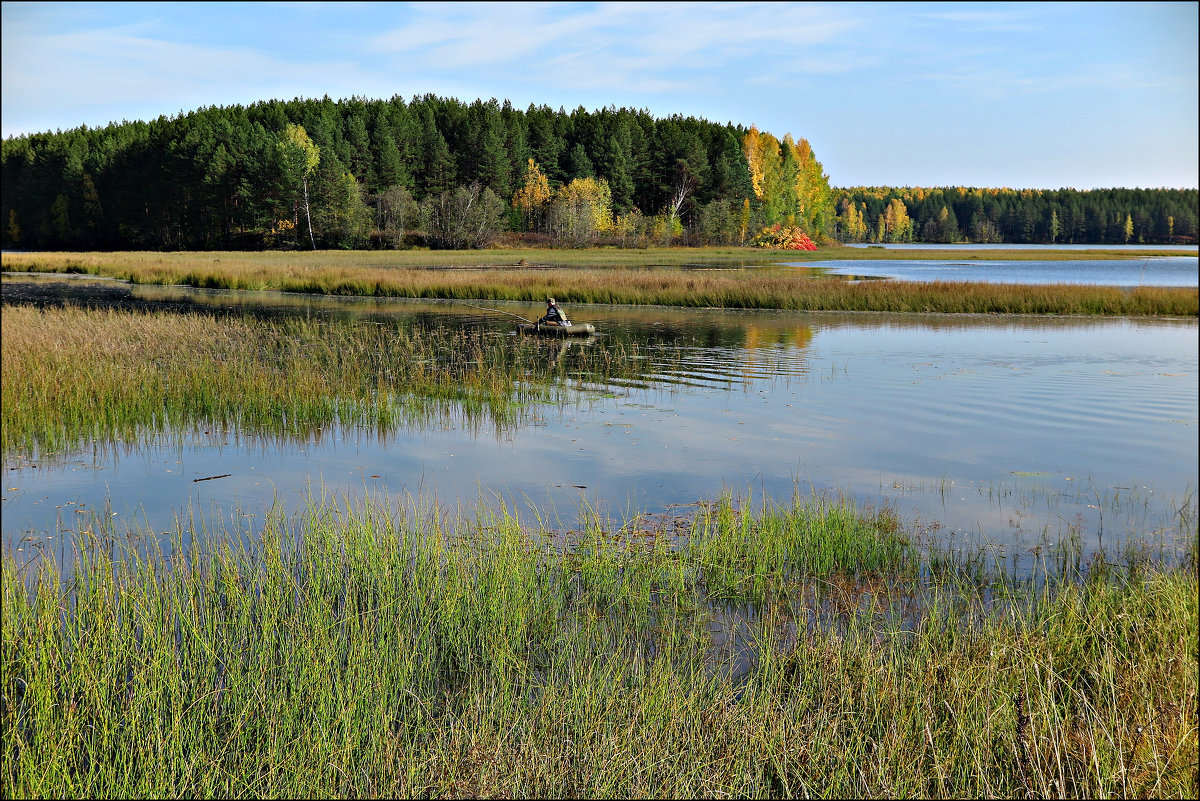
(1014, 431)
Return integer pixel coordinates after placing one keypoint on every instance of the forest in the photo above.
(1024, 216)
(440, 173)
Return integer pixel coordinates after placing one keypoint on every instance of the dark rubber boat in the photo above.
(569, 330)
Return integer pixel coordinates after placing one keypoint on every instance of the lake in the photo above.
(1011, 430)
(1011, 246)
(1183, 270)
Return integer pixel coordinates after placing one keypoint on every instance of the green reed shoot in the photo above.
(360, 650)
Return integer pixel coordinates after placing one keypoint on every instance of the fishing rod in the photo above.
(498, 311)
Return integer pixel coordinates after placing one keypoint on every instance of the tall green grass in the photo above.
(72, 374)
(361, 650)
(613, 280)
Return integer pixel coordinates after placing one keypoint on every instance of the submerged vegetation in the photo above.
(811, 648)
(605, 277)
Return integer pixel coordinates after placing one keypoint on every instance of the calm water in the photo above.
(1010, 246)
(1156, 271)
(984, 428)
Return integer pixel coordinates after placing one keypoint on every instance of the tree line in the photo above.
(1059, 216)
(438, 172)
(432, 171)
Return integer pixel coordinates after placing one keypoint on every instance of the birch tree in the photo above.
(300, 158)
(533, 195)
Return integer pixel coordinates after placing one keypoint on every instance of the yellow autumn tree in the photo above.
(776, 185)
(530, 200)
(814, 198)
(581, 210)
(897, 223)
(789, 183)
(772, 173)
(752, 147)
(853, 220)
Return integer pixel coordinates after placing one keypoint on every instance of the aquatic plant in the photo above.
(73, 374)
(364, 649)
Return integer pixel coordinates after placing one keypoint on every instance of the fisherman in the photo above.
(553, 315)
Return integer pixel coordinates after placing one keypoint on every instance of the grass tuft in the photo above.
(362, 651)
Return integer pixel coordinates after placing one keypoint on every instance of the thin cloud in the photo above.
(107, 68)
(998, 83)
(540, 39)
(986, 20)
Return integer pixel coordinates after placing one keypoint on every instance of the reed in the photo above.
(607, 278)
(72, 375)
(535, 258)
(366, 650)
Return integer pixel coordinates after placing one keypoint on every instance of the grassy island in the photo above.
(665, 276)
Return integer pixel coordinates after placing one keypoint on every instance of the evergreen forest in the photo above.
(441, 173)
(1018, 216)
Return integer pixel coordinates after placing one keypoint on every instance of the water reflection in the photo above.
(1161, 271)
(1005, 429)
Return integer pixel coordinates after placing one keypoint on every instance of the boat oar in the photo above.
(498, 311)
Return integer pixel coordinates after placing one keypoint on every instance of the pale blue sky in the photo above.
(1023, 95)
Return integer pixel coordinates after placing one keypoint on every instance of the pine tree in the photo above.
(578, 164)
(620, 175)
(545, 145)
(438, 173)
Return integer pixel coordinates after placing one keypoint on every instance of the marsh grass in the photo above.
(72, 375)
(616, 277)
(359, 650)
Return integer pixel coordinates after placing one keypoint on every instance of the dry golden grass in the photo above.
(617, 277)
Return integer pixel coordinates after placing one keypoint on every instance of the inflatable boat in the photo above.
(545, 330)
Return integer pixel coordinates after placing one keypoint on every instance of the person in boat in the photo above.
(553, 315)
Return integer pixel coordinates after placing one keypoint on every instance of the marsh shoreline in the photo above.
(730, 278)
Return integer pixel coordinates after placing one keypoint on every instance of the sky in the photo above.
(1018, 95)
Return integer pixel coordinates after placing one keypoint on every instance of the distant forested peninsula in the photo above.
(438, 172)
(1019, 216)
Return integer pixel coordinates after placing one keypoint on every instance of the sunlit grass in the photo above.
(606, 276)
(360, 650)
(72, 375)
